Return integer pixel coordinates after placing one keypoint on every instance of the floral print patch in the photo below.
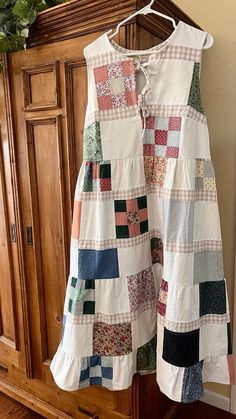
(162, 298)
(155, 170)
(141, 287)
(92, 146)
(112, 339)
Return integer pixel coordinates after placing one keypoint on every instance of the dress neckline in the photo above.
(157, 49)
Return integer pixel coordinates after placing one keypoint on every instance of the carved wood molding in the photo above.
(81, 17)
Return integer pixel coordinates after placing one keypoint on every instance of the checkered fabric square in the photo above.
(204, 175)
(96, 370)
(131, 217)
(162, 136)
(115, 85)
(97, 176)
(81, 296)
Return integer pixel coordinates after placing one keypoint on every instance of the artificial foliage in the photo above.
(16, 16)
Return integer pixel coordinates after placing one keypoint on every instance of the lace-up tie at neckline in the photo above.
(152, 70)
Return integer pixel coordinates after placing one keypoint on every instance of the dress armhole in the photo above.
(208, 41)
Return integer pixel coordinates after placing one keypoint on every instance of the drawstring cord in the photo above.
(146, 90)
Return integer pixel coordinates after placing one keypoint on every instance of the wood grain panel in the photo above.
(76, 100)
(41, 87)
(47, 200)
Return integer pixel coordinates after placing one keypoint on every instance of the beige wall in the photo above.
(218, 83)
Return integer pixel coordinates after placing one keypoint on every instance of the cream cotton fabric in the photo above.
(146, 289)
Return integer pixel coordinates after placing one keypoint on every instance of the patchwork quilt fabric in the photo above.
(146, 289)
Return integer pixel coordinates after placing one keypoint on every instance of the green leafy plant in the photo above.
(16, 16)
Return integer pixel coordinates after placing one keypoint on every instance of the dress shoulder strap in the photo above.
(94, 47)
(190, 37)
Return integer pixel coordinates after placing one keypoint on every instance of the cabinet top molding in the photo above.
(82, 17)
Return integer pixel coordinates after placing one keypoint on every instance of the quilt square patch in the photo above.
(181, 349)
(97, 176)
(98, 264)
(146, 355)
(96, 370)
(162, 136)
(141, 287)
(81, 296)
(204, 175)
(212, 297)
(178, 221)
(155, 169)
(208, 266)
(92, 145)
(131, 217)
(162, 298)
(192, 388)
(115, 85)
(112, 339)
(157, 250)
(194, 98)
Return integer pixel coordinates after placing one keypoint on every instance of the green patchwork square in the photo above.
(120, 205)
(146, 355)
(122, 232)
(92, 146)
(73, 281)
(105, 171)
(89, 284)
(70, 305)
(143, 226)
(89, 307)
(142, 202)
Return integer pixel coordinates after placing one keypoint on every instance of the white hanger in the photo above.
(147, 9)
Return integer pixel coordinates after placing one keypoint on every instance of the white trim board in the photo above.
(216, 399)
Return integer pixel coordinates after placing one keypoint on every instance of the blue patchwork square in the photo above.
(96, 370)
(192, 388)
(173, 138)
(162, 123)
(178, 221)
(84, 374)
(208, 266)
(98, 264)
(95, 360)
(107, 372)
(160, 150)
(95, 380)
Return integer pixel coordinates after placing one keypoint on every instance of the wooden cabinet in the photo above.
(43, 94)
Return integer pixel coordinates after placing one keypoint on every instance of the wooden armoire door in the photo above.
(14, 326)
(49, 96)
(48, 88)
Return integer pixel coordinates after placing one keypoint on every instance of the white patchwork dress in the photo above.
(146, 290)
